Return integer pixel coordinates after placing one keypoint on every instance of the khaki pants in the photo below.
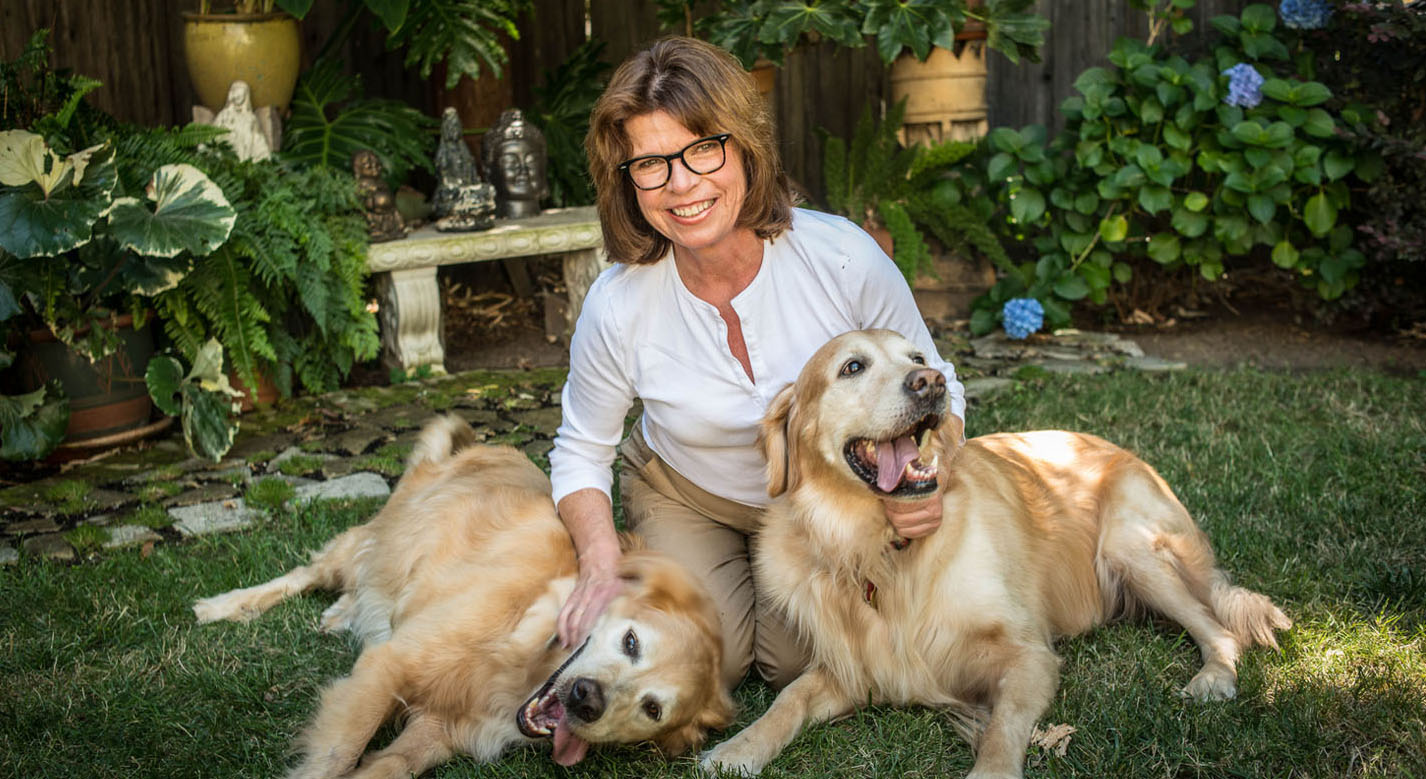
(711, 537)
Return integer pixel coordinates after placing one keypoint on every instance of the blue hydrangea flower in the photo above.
(1021, 317)
(1305, 14)
(1244, 86)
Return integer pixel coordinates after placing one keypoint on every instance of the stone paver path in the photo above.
(353, 443)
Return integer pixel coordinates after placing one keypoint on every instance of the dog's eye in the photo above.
(852, 368)
(918, 359)
(652, 709)
(631, 645)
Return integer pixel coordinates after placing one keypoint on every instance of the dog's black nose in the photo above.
(926, 383)
(586, 699)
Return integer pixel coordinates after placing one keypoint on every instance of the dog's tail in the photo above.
(439, 439)
(1250, 616)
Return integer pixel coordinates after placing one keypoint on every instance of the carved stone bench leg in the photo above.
(411, 320)
(580, 269)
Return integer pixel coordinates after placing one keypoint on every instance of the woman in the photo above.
(721, 292)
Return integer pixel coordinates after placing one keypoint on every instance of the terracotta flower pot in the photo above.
(107, 398)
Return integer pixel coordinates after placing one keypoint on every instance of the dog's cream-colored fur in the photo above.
(1043, 534)
(454, 588)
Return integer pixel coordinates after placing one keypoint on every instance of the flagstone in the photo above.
(51, 546)
(215, 517)
(357, 485)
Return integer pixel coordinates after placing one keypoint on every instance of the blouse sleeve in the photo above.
(596, 398)
(885, 301)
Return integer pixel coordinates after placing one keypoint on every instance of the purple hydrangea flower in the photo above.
(1021, 317)
(1244, 86)
(1305, 14)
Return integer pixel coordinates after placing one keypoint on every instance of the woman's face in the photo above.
(693, 211)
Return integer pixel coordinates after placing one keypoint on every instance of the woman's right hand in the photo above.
(596, 586)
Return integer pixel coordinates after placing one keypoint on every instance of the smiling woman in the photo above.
(720, 292)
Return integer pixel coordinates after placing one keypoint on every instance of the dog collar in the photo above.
(898, 543)
(869, 592)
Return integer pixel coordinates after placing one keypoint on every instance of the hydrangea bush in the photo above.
(1235, 157)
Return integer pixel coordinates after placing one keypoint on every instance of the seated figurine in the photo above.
(382, 220)
(463, 202)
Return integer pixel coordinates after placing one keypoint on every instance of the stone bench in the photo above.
(410, 298)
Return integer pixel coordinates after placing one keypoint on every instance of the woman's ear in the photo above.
(772, 441)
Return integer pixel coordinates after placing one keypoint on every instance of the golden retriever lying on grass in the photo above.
(454, 588)
(1043, 535)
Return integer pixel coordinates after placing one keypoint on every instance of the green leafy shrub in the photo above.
(331, 122)
(1154, 164)
(462, 34)
(1373, 58)
(753, 29)
(286, 293)
(561, 110)
(912, 192)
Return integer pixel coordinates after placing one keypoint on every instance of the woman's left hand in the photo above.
(914, 519)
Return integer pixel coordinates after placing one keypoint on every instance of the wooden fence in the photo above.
(135, 48)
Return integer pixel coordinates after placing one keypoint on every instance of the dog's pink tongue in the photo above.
(568, 748)
(891, 461)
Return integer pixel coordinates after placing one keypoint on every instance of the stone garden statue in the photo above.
(254, 133)
(515, 159)
(463, 202)
(383, 222)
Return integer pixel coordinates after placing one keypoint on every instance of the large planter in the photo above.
(107, 399)
(262, 49)
(945, 95)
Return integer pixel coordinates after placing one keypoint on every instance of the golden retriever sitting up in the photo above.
(1043, 535)
(453, 589)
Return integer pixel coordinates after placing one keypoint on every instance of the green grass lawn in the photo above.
(1312, 487)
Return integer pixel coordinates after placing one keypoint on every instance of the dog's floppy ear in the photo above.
(773, 441)
(718, 714)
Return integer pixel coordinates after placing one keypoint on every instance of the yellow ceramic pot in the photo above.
(945, 95)
(261, 49)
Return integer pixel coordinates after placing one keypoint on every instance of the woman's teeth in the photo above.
(693, 210)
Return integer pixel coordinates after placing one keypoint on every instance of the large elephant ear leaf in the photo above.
(49, 205)
(190, 214)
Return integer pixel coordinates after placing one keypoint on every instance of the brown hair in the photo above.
(704, 88)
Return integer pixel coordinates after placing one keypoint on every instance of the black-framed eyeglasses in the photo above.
(703, 156)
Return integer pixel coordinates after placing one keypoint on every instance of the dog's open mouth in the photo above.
(897, 466)
(543, 715)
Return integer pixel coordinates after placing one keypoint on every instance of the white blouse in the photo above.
(643, 334)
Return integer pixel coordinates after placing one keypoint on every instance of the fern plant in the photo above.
(286, 294)
(911, 192)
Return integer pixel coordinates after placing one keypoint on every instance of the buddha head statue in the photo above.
(514, 155)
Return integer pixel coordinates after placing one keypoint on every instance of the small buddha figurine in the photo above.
(515, 159)
(383, 222)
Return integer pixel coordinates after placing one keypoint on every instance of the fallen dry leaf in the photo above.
(1055, 738)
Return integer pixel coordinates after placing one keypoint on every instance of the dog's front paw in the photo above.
(1213, 682)
(732, 758)
(218, 607)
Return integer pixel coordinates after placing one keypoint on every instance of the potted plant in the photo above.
(252, 43)
(80, 264)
